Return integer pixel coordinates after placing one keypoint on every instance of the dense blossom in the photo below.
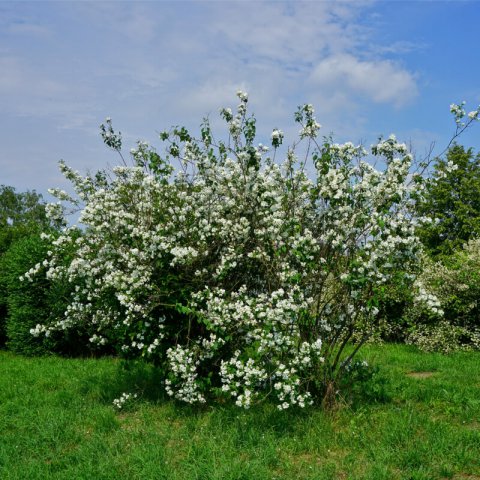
(238, 275)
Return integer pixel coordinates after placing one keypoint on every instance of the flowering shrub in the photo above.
(454, 320)
(442, 337)
(237, 275)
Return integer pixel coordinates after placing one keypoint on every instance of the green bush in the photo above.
(26, 303)
(9, 235)
(30, 303)
(21, 215)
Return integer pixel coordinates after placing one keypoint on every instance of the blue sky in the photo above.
(369, 68)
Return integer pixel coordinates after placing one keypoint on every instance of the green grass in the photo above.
(57, 422)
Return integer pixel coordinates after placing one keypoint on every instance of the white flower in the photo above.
(243, 96)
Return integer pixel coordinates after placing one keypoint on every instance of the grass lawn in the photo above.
(57, 422)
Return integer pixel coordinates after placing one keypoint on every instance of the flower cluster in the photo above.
(459, 114)
(124, 400)
(277, 138)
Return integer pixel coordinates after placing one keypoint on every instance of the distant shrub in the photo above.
(442, 337)
(455, 282)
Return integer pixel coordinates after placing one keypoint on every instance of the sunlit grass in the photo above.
(57, 421)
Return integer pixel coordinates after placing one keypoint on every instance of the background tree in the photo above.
(452, 201)
(20, 214)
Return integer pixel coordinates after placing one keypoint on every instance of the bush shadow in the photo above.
(132, 376)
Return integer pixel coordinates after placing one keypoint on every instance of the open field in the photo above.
(57, 422)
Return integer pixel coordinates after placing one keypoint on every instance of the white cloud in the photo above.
(379, 80)
(400, 47)
(295, 33)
